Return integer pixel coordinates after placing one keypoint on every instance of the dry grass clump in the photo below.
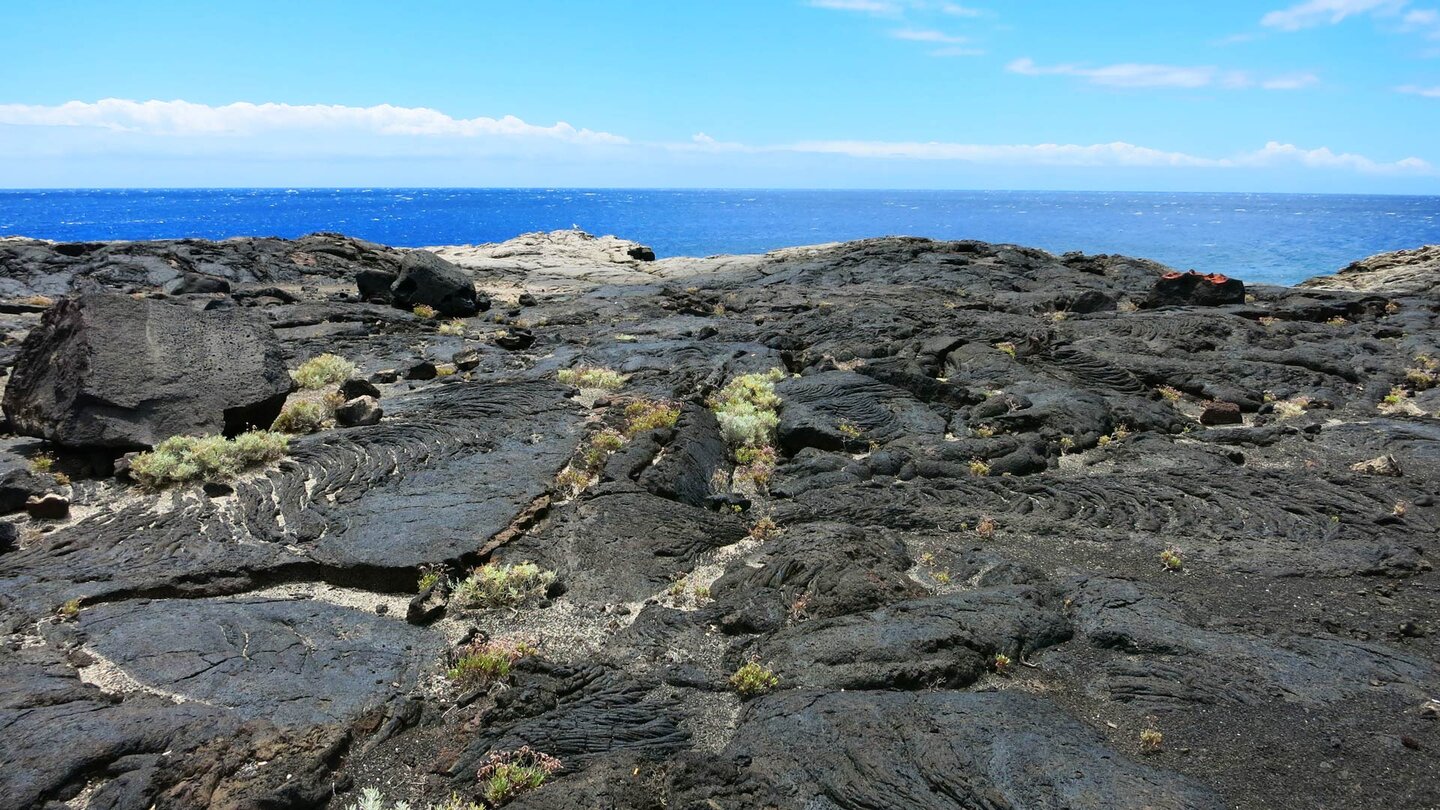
(591, 377)
(425, 311)
(493, 585)
(303, 416)
(322, 370)
(454, 327)
(206, 458)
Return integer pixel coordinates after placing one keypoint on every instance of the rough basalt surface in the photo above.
(1041, 532)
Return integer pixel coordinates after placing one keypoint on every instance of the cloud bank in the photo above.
(118, 129)
(180, 118)
(1134, 75)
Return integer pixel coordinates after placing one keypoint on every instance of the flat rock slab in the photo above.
(294, 663)
(944, 750)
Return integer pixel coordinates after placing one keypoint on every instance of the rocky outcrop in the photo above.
(106, 370)
(427, 280)
(1403, 272)
(1026, 533)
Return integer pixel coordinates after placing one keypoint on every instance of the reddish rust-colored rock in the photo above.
(1221, 413)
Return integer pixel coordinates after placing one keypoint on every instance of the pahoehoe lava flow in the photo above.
(893, 523)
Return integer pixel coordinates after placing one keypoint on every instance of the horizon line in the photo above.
(551, 188)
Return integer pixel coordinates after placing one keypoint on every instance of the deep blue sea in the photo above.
(1278, 238)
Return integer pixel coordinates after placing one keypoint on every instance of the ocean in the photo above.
(1272, 238)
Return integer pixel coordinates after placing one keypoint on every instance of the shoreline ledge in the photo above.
(892, 522)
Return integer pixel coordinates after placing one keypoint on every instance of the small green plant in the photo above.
(942, 577)
(979, 468)
(1151, 741)
(600, 447)
(42, 463)
(445, 369)
(983, 431)
(764, 529)
(1002, 664)
(1337, 321)
(1396, 396)
(753, 679)
(455, 327)
(746, 409)
(322, 370)
(624, 338)
(495, 585)
(677, 588)
(1400, 508)
(591, 377)
(506, 775)
(1171, 559)
(68, 611)
(757, 464)
(850, 430)
(302, 416)
(1170, 393)
(987, 526)
(373, 799)
(430, 576)
(702, 593)
(649, 414)
(208, 458)
(424, 311)
(1066, 444)
(573, 480)
(1007, 348)
(482, 663)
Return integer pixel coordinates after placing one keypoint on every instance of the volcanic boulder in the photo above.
(106, 370)
(430, 280)
(1201, 289)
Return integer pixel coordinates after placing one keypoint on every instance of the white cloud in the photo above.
(955, 50)
(926, 35)
(1415, 90)
(1293, 81)
(1313, 13)
(1117, 154)
(867, 6)
(183, 118)
(1133, 75)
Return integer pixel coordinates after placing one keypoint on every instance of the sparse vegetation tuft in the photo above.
(206, 458)
(979, 468)
(495, 585)
(746, 409)
(649, 414)
(1003, 664)
(757, 464)
(1007, 348)
(1170, 393)
(482, 663)
(302, 416)
(424, 311)
(1171, 559)
(753, 678)
(506, 775)
(455, 327)
(591, 377)
(322, 370)
(1151, 741)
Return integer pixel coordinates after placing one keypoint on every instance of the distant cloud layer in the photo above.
(244, 118)
(288, 131)
(1141, 75)
(1325, 12)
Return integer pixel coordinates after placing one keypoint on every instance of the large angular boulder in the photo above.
(107, 370)
(430, 280)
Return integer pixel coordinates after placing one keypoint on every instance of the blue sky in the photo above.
(1253, 95)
